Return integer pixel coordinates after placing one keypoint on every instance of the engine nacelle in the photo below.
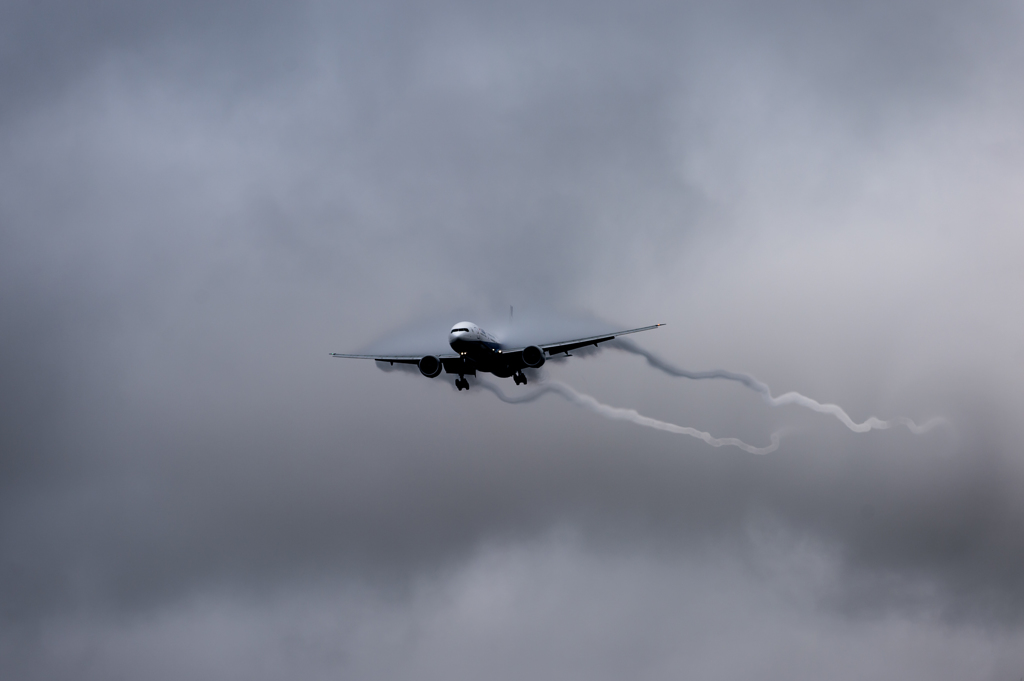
(533, 356)
(430, 366)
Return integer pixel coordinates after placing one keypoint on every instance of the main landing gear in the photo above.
(461, 383)
(519, 377)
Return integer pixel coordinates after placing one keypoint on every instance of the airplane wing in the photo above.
(393, 359)
(565, 346)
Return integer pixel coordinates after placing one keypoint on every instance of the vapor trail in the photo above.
(631, 415)
(786, 398)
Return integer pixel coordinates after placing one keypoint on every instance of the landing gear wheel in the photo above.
(461, 383)
(520, 378)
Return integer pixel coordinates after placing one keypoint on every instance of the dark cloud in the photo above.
(199, 202)
(48, 45)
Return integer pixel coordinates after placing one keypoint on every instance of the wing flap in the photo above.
(393, 359)
(566, 346)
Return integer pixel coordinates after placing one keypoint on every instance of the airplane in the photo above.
(477, 350)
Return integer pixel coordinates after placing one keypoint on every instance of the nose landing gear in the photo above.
(461, 383)
(519, 377)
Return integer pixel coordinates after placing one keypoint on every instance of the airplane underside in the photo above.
(468, 366)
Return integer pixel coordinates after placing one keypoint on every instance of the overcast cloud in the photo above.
(199, 201)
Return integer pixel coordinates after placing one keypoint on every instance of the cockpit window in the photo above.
(460, 329)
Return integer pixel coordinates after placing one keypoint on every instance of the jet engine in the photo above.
(533, 356)
(430, 366)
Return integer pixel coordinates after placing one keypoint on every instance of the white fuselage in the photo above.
(469, 340)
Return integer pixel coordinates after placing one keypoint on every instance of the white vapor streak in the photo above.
(786, 398)
(872, 422)
(620, 414)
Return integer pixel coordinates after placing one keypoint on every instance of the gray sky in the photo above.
(199, 201)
